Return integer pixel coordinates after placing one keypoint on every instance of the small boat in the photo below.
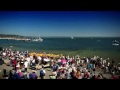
(72, 38)
(116, 41)
(11, 46)
(115, 44)
(27, 39)
(39, 39)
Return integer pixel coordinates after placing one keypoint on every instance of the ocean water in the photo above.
(83, 46)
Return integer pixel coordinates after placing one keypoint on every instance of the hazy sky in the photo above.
(60, 23)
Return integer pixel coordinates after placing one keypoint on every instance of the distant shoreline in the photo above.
(8, 38)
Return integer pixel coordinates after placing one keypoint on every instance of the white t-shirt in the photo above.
(107, 69)
(31, 58)
(4, 54)
(18, 65)
(70, 59)
(87, 60)
(59, 67)
(70, 70)
(43, 70)
(118, 68)
(59, 60)
(108, 64)
(33, 61)
(104, 61)
(26, 64)
(39, 58)
(46, 59)
(28, 59)
(82, 61)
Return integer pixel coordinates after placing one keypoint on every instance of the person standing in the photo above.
(15, 63)
(42, 73)
(26, 65)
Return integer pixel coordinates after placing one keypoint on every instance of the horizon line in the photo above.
(59, 36)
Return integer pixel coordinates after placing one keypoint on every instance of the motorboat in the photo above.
(116, 43)
(39, 39)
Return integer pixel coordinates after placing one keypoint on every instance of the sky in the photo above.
(61, 23)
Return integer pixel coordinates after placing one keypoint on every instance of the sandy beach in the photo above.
(48, 71)
(4, 66)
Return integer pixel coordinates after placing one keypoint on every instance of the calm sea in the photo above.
(65, 44)
(82, 46)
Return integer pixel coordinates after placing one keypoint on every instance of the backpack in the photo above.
(30, 76)
(42, 73)
(34, 76)
(54, 68)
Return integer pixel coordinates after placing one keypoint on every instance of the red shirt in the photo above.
(73, 61)
(15, 62)
(113, 77)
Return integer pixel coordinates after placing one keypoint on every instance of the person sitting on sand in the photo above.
(53, 76)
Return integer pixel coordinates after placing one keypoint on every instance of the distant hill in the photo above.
(8, 35)
(11, 35)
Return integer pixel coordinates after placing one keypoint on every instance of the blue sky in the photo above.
(60, 23)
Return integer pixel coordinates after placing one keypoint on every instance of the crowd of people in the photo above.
(62, 67)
